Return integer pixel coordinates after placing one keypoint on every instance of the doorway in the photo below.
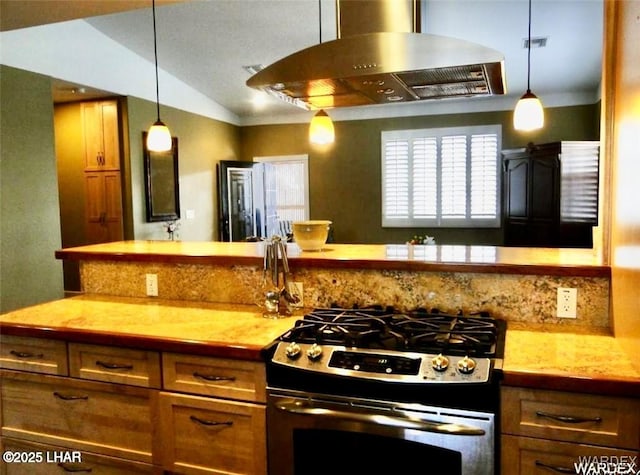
(262, 198)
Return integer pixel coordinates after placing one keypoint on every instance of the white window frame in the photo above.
(409, 138)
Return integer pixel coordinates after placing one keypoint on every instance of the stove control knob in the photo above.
(466, 365)
(314, 352)
(292, 350)
(440, 363)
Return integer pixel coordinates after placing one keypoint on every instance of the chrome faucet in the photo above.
(278, 300)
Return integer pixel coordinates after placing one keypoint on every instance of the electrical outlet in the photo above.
(152, 285)
(296, 289)
(567, 302)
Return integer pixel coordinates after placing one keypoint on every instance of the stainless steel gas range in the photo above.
(376, 391)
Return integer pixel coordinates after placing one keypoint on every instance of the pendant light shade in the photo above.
(158, 137)
(321, 131)
(528, 114)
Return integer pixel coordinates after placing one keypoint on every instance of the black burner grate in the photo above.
(421, 330)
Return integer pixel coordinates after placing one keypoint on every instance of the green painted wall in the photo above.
(29, 211)
(345, 179)
(202, 143)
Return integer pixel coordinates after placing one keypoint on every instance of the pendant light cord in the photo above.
(320, 21)
(529, 53)
(155, 53)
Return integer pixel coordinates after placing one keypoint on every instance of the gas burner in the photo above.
(349, 327)
(378, 327)
(434, 332)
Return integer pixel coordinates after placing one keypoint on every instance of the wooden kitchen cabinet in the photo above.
(548, 431)
(94, 464)
(115, 365)
(101, 135)
(529, 456)
(212, 436)
(224, 433)
(132, 411)
(103, 204)
(216, 377)
(108, 419)
(33, 354)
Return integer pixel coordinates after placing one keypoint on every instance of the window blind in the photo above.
(579, 182)
(444, 177)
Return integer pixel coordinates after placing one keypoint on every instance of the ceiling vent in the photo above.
(539, 42)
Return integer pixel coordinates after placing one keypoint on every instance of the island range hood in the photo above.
(381, 57)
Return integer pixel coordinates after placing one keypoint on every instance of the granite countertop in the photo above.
(533, 358)
(566, 361)
(434, 258)
(226, 330)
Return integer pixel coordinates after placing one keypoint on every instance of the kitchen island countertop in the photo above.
(533, 358)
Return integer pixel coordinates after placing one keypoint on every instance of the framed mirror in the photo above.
(161, 182)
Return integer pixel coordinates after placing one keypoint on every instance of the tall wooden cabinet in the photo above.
(550, 194)
(100, 135)
(103, 189)
(103, 207)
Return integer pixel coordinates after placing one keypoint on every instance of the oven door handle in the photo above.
(308, 409)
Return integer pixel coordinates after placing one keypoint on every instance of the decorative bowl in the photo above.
(311, 235)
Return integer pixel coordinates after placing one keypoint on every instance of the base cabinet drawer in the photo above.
(529, 456)
(212, 436)
(63, 461)
(215, 377)
(33, 354)
(115, 365)
(572, 417)
(104, 418)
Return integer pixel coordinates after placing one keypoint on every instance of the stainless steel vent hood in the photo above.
(379, 58)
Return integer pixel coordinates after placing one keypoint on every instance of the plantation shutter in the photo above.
(396, 179)
(425, 178)
(579, 178)
(453, 177)
(484, 176)
(441, 177)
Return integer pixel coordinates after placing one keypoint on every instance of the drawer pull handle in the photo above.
(69, 397)
(67, 467)
(205, 422)
(25, 354)
(211, 377)
(114, 365)
(555, 468)
(568, 419)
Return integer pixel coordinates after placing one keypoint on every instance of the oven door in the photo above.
(310, 434)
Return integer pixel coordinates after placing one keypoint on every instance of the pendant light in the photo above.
(321, 131)
(158, 137)
(529, 114)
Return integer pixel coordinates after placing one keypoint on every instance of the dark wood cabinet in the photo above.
(536, 213)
